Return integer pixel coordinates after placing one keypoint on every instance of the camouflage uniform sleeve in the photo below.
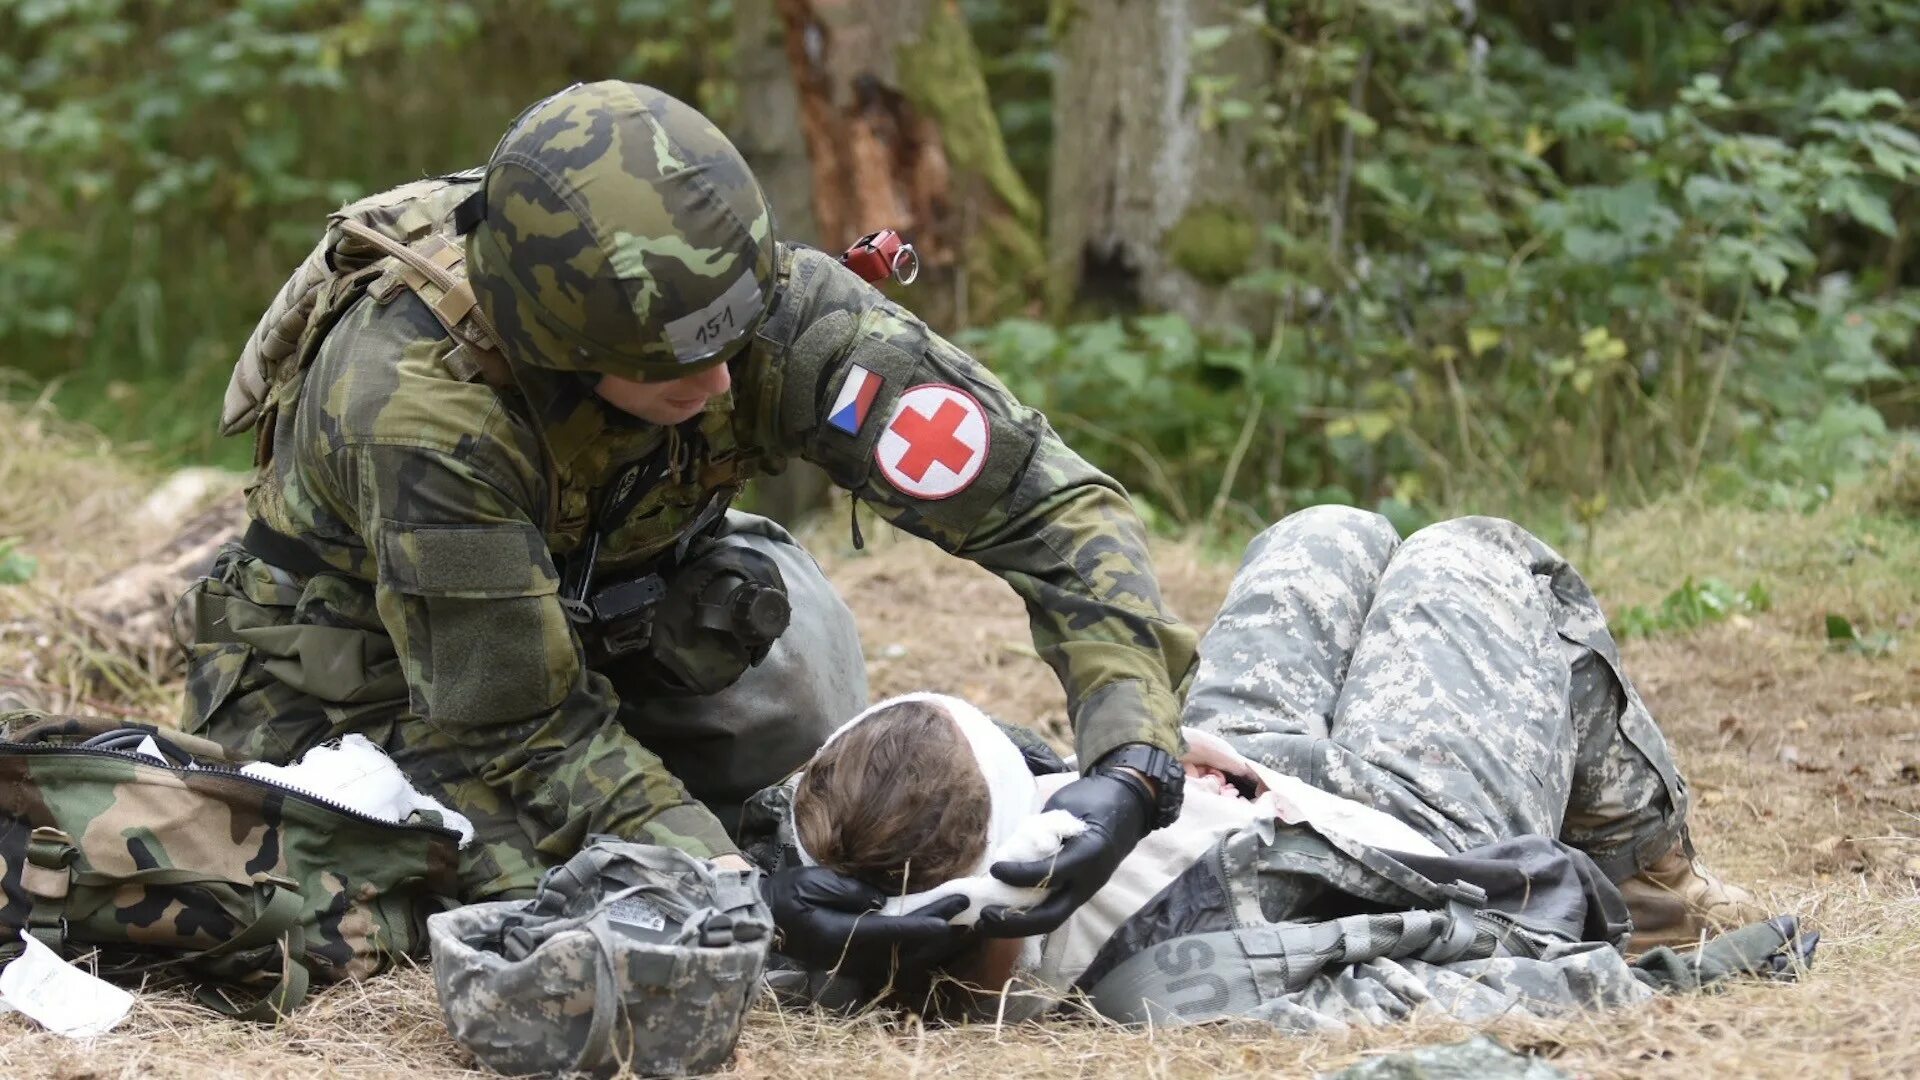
(832, 365)
(468, 591)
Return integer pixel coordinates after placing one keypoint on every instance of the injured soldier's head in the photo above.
(918, 796)
(895, 799)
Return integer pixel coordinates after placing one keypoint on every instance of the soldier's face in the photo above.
(665, 403)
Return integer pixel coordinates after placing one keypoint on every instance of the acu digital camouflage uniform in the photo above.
(1464, 682)
(440, 490)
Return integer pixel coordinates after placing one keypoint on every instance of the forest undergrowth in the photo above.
(1803, 750)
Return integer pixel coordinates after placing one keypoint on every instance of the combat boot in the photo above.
(1677, 901)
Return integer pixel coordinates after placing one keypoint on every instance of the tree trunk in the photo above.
(902, 135)
(768, 132)
(1154, 204)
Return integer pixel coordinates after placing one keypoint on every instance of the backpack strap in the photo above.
(279, 1000)
(276, 918)
(427, 268)
(48, 878)
(431, 263)
(277, 906)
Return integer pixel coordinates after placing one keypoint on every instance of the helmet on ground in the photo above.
(620, 233)
(630, 956)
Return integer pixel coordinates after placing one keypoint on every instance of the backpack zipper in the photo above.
(231, 772)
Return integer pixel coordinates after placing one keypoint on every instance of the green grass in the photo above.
(1853, 556)
(166, 421)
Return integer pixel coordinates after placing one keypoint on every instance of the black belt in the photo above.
(285, 552)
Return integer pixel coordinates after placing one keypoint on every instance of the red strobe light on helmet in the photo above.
(878, 255)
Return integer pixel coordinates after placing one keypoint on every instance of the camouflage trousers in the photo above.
(1463, 680)
(278, 665)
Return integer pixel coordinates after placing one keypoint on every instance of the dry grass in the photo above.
(74, 506)
(1806, 765)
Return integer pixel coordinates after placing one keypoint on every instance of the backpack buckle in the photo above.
(50, 855)
(50, 848)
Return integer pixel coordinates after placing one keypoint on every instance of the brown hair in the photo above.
(896, 801)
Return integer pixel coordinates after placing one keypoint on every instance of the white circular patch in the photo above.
(936, 443)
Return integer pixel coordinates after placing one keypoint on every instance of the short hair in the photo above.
(896, 801)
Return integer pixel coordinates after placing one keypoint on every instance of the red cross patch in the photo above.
(936, 443)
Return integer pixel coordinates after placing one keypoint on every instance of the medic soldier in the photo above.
(499, 418)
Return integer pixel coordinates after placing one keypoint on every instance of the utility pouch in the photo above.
(692, 633)
(622, 617)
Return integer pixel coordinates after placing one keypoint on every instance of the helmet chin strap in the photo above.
(467, 215)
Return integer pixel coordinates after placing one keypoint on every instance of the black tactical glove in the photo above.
(1118, 812)
(828, 921)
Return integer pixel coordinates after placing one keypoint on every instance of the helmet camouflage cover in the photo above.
(622, 234)
(631, 956)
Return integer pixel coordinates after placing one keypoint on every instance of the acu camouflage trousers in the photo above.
(1463, 680)
(278, 665)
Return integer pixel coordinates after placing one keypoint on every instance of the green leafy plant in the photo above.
(1592, 253)
(16, 566)
(1693, 604)
(1571, 254)
(1843, 636)
(163, 167)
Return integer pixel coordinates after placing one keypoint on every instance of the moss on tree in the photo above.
(1213, 242)
(940, 75)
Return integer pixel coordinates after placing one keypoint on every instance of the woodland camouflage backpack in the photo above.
(190, 871)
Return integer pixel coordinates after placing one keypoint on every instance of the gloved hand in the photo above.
(827, 920)
(1116, 812)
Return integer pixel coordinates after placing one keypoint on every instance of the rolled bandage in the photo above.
(1016, 831)
(1039, 837)
(360, 776)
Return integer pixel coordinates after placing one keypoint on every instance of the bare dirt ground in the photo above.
(1804, 760)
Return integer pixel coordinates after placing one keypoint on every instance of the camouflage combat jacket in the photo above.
(390, 454)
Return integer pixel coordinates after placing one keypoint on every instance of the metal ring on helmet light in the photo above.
(906, 264)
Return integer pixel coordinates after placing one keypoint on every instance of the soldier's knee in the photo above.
(1474, 531)
(1329, 521)
(1481, 548)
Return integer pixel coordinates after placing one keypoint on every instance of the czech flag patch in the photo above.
(856, 397)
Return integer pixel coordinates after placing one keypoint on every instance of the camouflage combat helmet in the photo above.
(630, 956)
(618, 232)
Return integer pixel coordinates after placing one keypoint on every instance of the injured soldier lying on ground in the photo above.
(1415, 779)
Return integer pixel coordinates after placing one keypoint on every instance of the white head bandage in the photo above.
(1015, 829)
